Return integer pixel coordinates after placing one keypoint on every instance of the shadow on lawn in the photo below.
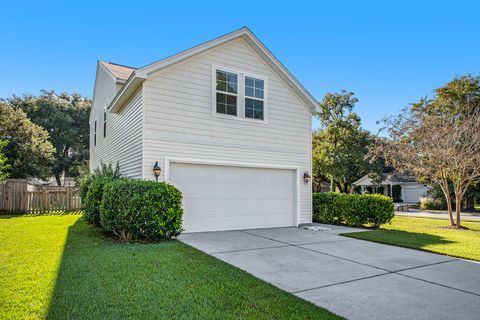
(401, 238)
(4, 215)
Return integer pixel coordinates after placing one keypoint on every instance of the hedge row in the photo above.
(352, 209)
(132, 209)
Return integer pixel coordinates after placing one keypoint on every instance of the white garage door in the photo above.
(412, 195)
(229, 198)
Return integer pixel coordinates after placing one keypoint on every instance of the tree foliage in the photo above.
(29, 152)
(439, 140)
(340, 146)
(4, 166)
(66, 119)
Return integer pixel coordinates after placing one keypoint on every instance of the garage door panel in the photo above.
(229, 198)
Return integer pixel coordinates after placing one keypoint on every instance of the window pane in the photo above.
(249, 82)
(221, 98)
(232, 78)
(232, 87)
(232, 110)
(258, 115)
(226, 104)
(249, 103)
(221, 85)
(258, 84)
(221, 108)
(232, 100)
(253, 109)
(221, 76)
(259, 93)
(249, 91)
(248, 113)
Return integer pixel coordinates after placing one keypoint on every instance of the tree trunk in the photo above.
(345, 188)
(339, 186)
(59, 181)
(470, 204)
(332, 185)
(449, 207)
(458, 208)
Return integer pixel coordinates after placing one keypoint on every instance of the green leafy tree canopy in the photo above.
(29, 153)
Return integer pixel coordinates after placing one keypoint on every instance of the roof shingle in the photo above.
(120, 72)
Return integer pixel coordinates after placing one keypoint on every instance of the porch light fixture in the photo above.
(156, 170)
(306, 177)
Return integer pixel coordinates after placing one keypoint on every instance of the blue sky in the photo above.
(390, 53)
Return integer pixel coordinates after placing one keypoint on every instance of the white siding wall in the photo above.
(123, 143)
(179, 121)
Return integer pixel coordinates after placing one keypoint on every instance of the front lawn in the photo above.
(429, 235)
(58, 267)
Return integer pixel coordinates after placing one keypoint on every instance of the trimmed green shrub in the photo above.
(352, 209)
(428, 203)
(91, 191)
(322, 208)
(141, 210)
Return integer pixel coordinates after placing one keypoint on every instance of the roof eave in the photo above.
(129, 87)
(307, 98)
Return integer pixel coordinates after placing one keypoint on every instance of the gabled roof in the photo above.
(137, 76)
(119, 72)
(388, 178)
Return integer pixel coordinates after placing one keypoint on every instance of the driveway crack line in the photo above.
(251, 249)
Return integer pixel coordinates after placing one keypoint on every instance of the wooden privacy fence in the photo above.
(18, 196)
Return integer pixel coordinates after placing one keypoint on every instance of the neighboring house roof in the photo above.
(119, 72)
(137, 76)
(388, 178)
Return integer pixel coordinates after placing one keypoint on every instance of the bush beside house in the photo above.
(141, 210)
(131, 209)
(352, 209)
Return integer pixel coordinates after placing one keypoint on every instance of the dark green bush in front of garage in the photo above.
(141, 210)
(352, 209)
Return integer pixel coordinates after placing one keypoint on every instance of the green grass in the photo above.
(429, 235)
(57, 267)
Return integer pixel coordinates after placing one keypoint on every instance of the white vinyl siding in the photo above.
(123, 142)
(179, 122)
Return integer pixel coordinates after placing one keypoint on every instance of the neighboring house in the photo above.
(410, 190)
(323, 186)
(227, 123)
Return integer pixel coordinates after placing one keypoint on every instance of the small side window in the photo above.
(95, 133)
(104, 124)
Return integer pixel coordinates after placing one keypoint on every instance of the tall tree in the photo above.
(340, 146)
(65, 117)
(439, 140)
(4, 166)
(28, 152)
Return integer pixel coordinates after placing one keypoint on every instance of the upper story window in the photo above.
(104, 124)
(95, 133)
(238, 94)
(254, 95)
(226, 93)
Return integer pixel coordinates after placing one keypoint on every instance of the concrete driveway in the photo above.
(354, 278)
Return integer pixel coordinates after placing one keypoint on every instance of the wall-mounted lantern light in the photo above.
(156, 170)
(306, 177)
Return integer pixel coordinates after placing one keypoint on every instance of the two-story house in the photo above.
(225, 121)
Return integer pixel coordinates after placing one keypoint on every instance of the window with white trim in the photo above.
(239, 94)
(254, 98)
(226, 92)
